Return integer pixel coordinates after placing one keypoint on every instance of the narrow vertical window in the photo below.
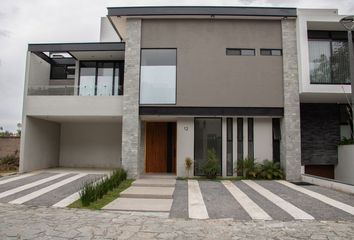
(239, 145)
(229, 146)
(276, 139)
(250, 138)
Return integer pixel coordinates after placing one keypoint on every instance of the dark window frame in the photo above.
(230, 50)
(240, 136)
(116, 64)
(250, 136)
(271, 52)
(330, 36)
(194, 141)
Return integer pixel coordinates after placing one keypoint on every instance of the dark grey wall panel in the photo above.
(320, 133)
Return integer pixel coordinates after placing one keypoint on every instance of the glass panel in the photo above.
(320, 65)
(340, 62)
(230, 51)
(158, 76)
(276, 52)
(248, 52)
(250, 138)
(104, 79)
(116, 82)
(87, 80)
(266, 52)
(207, 138)
(229, 157)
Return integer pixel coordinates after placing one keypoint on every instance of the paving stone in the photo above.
(148, 192)
(140, 204)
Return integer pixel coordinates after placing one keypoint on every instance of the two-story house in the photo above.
(169, 83)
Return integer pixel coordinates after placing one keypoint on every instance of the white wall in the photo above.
(107, 32)
(39, 71)
(263, 139)
(40, 148)
(185, 145)
(344, 170)
(96, 145)
(304, 16)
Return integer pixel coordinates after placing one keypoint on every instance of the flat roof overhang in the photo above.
(79, 51)
(202, 10)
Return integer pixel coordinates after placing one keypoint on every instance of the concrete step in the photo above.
(152, 182)
(148, 192)
(158, 176)
(140, 205)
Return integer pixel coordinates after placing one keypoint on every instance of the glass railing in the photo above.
(72, 90)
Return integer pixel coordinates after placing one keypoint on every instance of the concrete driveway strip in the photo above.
(294, 211)
(196, 206)
(334, 203)
(42, 191)
(21, 176)
(250, 207)
(30, 185)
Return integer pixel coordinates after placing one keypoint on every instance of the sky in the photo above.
(41, 21)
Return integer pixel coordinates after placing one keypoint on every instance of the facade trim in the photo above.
(212, 111)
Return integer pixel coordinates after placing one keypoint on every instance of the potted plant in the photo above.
(188, 163)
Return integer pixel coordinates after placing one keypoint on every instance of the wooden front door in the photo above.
(160, 147)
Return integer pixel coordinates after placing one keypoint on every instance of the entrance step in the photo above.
(148, 192)
(158, 176)
(154, 182)
(140, 204)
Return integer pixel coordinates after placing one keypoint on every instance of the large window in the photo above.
(158, 76)
(207, 142)
(328, 57)
(100, 79)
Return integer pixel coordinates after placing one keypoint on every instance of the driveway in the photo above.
(52, 187)
(259, 200)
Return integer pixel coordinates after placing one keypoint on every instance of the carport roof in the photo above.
(42, 50)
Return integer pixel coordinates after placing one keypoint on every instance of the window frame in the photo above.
(176, 84)
(116, 64)
(240, 49)
(194, 141)
(330, 36)
(271, 52)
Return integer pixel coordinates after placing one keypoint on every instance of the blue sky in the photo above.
(34, 21)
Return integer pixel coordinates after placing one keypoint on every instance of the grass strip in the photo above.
(107, 198)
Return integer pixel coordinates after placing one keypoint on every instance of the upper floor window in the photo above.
(240, 51)
(328, 58)
(158, 76)
(271, 52)
(62, 71)
(100, 78)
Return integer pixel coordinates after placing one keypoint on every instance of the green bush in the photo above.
(270, 170)
(250, 169)
(91, 192)
(346, 141)
(211, 167)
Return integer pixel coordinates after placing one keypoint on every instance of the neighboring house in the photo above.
(325, 89)
(167, 83)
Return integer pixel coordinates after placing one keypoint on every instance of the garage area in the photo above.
(71, 143)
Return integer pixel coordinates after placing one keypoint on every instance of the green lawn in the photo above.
(109, 197)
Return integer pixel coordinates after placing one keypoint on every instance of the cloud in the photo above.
(4, 33)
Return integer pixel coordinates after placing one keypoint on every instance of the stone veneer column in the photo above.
(290, 148)
(131, 121)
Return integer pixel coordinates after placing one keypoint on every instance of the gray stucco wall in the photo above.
(94, 145)
(131, 121)
(320, 133)
(290, 147)
(41, 145)
(206, 76)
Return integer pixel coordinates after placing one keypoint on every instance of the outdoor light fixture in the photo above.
(348, 23)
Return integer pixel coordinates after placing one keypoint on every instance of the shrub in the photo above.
(248, 168)
(271, 170)
(346, 141)
(211, 167)
(91, 192)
